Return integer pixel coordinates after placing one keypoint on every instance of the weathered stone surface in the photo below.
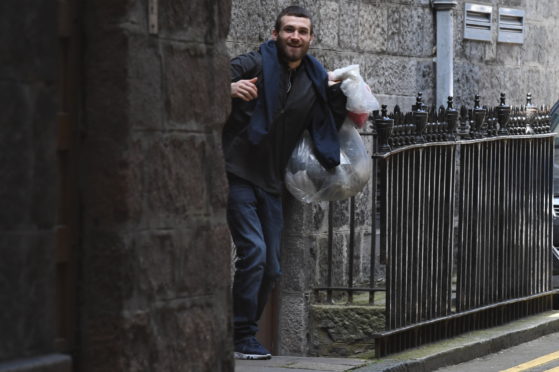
(28, 43)
(146, 99)
(198, 74)
(198, 21)
(29, 62)
(372, 27)
(327, 32)
(348, 39)
(297, 263)
(155, 338)
(113, 183)
(178, 165)
(26, 277)
(165, 269)
(27, 192)
(410, 31)
(156, 281)
(107, 114)
(344, 330)
(293, 325)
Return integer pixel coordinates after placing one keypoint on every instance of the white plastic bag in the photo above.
(360, 99)
(308, 181)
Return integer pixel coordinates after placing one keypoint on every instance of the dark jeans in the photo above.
(255, 219)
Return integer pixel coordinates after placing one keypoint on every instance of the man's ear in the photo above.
(274, 35)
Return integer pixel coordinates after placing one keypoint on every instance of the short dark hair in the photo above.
(293, 10)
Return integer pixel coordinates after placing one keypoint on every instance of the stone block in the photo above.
(348, 29)
(238, 30)
(327, 34)
(177, 263)
(458, 32)
(372, 28)
(197, 74)
(28, 53)
(156, 286)
(256, 28)
(28, 141)
(425, 81)
(405, 102)
(105, 74)
(297, 217)
(297, 264)
(293, 323)
(410, 31)
(177, 183)
(145, 100)
(535, 11)
(114, 182)
(344, 331)
(108, 274)
(341, 214)
(391, 75)
(27, 318)
(509, 55)
(191, 20)
(466, 82)
(175, 326)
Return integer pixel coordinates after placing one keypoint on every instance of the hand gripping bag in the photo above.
(360, 99)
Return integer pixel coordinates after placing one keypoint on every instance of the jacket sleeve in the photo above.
(337, 102)
(245, 66)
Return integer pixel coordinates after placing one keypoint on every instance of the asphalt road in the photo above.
(539, 355)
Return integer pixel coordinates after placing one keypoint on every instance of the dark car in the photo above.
(555, 128)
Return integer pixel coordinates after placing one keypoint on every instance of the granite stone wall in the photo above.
(28, 186)
(155, 285)
(393, 41)
(489, 68)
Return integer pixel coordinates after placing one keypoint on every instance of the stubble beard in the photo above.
(292, 55)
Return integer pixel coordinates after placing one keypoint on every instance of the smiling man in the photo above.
(277, 92)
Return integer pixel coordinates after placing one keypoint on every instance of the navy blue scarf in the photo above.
(322, 126)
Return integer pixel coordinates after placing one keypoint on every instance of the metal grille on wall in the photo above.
(465, 220)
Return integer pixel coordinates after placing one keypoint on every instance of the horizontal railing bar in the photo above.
(465, 313)
(461, 142)
(353, 289)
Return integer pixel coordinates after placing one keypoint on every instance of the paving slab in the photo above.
(299, 364)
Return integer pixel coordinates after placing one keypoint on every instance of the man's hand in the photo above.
(245, 89)
(332, 80)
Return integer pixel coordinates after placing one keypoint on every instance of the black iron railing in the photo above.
(464, 205)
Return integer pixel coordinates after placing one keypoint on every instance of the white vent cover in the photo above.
(477, 22)
(511, 26)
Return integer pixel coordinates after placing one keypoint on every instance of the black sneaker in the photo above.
(250, 348)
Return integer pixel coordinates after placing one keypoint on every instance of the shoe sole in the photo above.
(252, 356)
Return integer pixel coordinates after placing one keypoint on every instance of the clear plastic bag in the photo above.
(360, 100)
(308, 181)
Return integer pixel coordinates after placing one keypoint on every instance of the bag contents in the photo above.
(308, 181)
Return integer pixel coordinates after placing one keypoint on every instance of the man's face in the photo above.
(293, 38)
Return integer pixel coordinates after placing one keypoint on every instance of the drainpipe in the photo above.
(445, 49)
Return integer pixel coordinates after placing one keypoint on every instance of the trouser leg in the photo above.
(253, 219)
(271, 217)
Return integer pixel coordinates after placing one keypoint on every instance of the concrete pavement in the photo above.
(426, 358)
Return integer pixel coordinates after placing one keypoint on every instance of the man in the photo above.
(277, 92)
